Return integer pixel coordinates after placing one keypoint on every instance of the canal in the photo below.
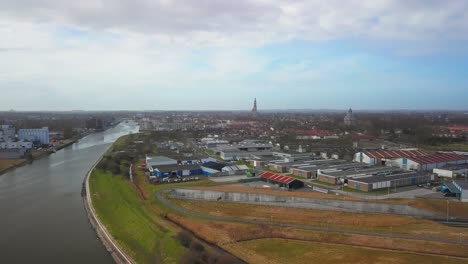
(42, 218)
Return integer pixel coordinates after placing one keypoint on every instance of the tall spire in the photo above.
(254, 109)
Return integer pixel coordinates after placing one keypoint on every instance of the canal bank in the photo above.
(43, 218)
(104, 235)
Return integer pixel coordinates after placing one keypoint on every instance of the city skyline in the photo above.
(161, 55)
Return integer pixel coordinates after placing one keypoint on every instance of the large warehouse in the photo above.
(429, 162)
(334, 176)
(378, 182)
(380, 157)
(375, 178)
(242, 150)
(282, 181)
(310, 171)
(176, 170)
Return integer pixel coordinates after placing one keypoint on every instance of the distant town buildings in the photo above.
(350, 119)
(12, 147)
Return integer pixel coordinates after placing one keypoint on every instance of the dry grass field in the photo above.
(290, 251)
(224, 234)
(457, 209)
(343, 220)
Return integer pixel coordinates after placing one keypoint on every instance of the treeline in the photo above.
(117, 163)
(197, 253)
(126, 151)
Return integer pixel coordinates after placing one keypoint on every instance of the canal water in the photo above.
(42, 217)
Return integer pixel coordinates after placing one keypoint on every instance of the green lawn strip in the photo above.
(131, 222)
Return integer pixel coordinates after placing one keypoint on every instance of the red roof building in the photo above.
(380, 157)
(282, 180)
(438, 158)
(393, 154)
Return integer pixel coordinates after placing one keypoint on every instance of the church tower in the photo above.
(254, 108)
(350, 118)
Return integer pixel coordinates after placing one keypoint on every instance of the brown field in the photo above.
(223, 234)
(343, 220)
(8, 163)
(456, 208)
(290, 251)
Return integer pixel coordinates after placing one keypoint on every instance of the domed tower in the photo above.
(350, 119)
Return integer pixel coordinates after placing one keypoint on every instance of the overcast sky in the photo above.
(183, 55)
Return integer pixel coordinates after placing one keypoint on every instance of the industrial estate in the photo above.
(207, 187)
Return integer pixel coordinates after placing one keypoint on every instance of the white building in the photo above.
(429, 162)
(451, 171)
(159, 160)
(35, 134)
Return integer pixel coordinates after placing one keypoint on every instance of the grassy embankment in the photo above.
(134, 216)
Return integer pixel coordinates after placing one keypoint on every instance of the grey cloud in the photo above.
(415, 20)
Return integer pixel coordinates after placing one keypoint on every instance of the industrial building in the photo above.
(381, 157)
(152, 161)
(40, 135)
(163, 171)
(336, 176)
(242, 150)
(429, 162)
(172, 158)
(395, 180)
(374, 178)
(213, 169)
(458, 188)
(451, 171)
(282, 181)
(310, 171)
(260, 161)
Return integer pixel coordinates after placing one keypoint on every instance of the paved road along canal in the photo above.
(42, 218)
